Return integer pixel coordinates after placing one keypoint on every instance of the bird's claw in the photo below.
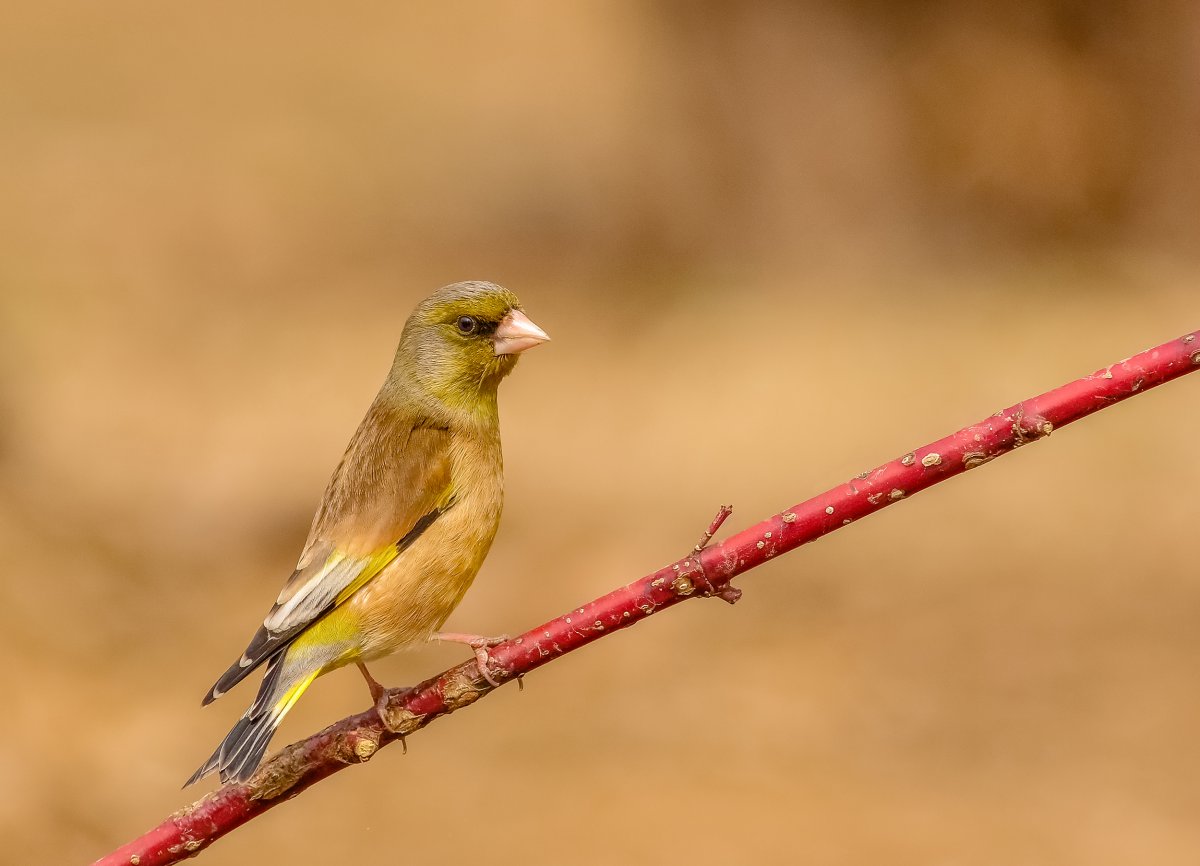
(482, 659)
(382, 696)
(480, 645)
(385, 716)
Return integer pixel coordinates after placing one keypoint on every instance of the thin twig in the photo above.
(722, 513)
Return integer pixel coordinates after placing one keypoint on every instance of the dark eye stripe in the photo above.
(471, 326)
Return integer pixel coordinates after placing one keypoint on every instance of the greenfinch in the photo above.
(406, 520)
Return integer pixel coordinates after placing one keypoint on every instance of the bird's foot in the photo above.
(381, 695)
(480, 644)
(397, 722)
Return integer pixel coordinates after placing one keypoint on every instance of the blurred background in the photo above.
(776, 244)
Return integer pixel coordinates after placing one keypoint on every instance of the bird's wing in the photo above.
(389, 488)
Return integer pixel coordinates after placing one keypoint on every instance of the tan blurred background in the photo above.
(776, 244)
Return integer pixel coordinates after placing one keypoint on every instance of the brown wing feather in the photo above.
(394, 470)
(390, 485)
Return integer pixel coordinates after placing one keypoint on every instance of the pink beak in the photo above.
(516, 333)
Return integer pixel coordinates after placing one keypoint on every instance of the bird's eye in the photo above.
(467, 325)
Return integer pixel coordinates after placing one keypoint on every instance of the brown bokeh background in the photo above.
(776, 244)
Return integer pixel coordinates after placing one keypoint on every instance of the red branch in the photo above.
(706, 571)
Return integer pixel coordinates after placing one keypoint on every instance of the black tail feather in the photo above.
(240, 752)
(263, 646)
(243, 748)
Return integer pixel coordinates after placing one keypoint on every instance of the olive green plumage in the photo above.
(406, 520)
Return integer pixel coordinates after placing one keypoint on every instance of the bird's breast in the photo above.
(410, 599)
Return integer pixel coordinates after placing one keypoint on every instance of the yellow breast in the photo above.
(411, 598)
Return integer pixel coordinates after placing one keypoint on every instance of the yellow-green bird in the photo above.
(406, 520)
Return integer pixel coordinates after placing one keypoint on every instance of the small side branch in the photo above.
(706, 571)
(722, 513)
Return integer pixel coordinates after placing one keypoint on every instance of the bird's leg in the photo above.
(378, 692)
(477, 642)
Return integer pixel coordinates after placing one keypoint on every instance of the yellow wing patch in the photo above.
(340, 576)
(292, 695)
(374, 564)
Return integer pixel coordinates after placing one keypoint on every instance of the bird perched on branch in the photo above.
(406, 520)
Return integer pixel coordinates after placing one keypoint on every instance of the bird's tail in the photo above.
(243, 748)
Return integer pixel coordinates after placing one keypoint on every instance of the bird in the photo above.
(405, 523)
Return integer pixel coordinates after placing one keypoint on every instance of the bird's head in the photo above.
(462, 340)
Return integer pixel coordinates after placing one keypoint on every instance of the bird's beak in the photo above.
(516, 333)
